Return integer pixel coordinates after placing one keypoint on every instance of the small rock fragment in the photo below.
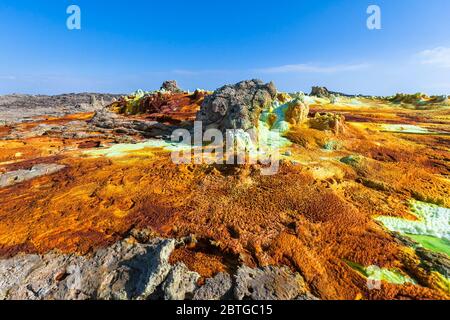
(268, 283)
(180, 283)
(217, 288)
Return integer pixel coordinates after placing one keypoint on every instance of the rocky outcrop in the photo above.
(320, 92)
(16, 108)
(105, 119)
(129, 270)
(236, 106)
(180, 283)
(171, 86)
(434, 261)
(419, 99)
(296, 112)
(269, 283)
(217, 288)
(123, 271)
(163, 106)
(328, 121)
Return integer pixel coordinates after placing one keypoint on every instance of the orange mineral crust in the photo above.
(315, 215)
(284, 219)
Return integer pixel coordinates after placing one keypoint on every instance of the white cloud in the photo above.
(309, 68)
(439, 57)
(184, 72)
(187, 72)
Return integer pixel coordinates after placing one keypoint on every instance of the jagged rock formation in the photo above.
(180, 283)
(131, 270)
(433, 261)
(217, 288)
(328, 121)
(171, 86)
(320, 92)
(164, 106)
(296, 112)
(122, 271)
(108, 120)
(268, 283)
(237, 106)
(419, 99)
(17, 108)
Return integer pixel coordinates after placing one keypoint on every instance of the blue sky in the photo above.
(127, 45)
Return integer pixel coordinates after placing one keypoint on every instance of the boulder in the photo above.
(268, 283)
(124, 270)
(108, 120)
(217, 288)
(171, 86)
(237, 106)
(328, 121)
(320, 92)
(296, 112)
(180, 283)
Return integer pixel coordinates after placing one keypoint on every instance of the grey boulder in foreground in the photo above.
(130, 270)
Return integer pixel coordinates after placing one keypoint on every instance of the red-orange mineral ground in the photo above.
(315, 215)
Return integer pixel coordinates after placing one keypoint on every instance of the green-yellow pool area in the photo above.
(376, 273)
(431, 230)
(122, 149)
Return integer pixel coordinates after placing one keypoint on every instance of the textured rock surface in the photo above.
(320, 92)
(328, 121)
(171, 85)
(297, 112)
(180, 283)
(268, 283)
(237, 106)
(106, 119)
(129, 270)
(217, 288)
(122, 271)
(21, 107)
(433, 261)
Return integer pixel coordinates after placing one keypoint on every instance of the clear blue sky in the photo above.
(127, 45)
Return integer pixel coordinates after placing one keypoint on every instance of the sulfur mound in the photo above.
(419, 99)
(328, 121)
(296, 112)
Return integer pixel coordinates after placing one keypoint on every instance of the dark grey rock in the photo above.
(180, 283)
(433, 261)
(120, 124)
(236, 106)
(320, 92)
(217, 288)
(268, 283)
(171, 85)
(124, 270)
(16, 108)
